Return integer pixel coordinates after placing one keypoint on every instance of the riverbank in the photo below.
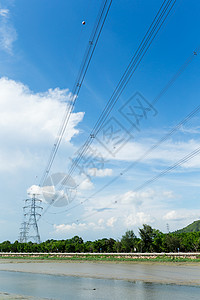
(160, 257)
(180, 273)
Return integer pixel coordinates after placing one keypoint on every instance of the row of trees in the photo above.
(150, 240)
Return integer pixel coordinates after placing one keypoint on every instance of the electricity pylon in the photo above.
(32, 211)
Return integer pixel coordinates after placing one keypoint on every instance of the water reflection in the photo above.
(76, 288)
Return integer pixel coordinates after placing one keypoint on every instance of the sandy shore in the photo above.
(166, 273)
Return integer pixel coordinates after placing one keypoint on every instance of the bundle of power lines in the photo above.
(150, 35)
(78, 82)
(146, 42)
(185, 120)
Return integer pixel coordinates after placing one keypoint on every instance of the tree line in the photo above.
(149, 240)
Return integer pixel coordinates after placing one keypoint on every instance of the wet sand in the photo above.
(165, 273)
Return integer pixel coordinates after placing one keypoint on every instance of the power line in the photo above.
(171, 132)
(142, 157)
(131, 68)
(155, 178)
(98, 27)
(163, 139)
(106, 4)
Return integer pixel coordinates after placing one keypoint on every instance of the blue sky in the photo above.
(41, 47)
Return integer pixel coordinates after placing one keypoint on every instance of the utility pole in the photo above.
(32, 211)
(23, 233)
(167, 225)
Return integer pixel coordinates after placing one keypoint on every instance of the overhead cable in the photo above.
(151, 33)
(103, 12)
(162, 140)
(155, 178)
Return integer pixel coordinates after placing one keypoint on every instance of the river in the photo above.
(76, 281)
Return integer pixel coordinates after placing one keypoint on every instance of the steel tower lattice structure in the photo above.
(32, 211)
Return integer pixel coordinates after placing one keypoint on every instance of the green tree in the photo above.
(146, 234)
(117, 247)
(171, 243)
(5, 246)
(110, 245)
(189, 241)
(88, 247)
(128, 241)
(157, 241)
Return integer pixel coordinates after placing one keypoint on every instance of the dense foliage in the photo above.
(151, 240)
(194, 227)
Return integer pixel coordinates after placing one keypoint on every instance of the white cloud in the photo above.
(155, 207)
(181, 214)
(8, 34)
(100, 172)
(193, 130)
(68, 227)
(11, 160)
(76, 228)
(111, 222)
(4, 12)
(137, 198)
(128, 210)
(172, 215)
(138, 219)
(34, 117)
(30, 121)
(34, 189)
(166, 154)
(86, 184)
(169, 152)
(128, 202)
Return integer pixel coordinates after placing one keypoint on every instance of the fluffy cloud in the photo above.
(85, 185)
(127, 202)
(144, 197)
(76, 228)
(129, 209)
(34, 117)
(34, 189)
(7, 32)
(172, 215)
(69, 227)
(138, 219)
(30, 121)
(135, 198)
(179, 215)
(167, 153)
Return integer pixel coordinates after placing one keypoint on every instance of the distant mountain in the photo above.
(194, 227)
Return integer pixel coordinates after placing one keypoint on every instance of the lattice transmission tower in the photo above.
(32, 211)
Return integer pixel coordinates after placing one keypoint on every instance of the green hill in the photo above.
(194, 227)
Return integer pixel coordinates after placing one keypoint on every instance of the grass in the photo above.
(106, 258)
